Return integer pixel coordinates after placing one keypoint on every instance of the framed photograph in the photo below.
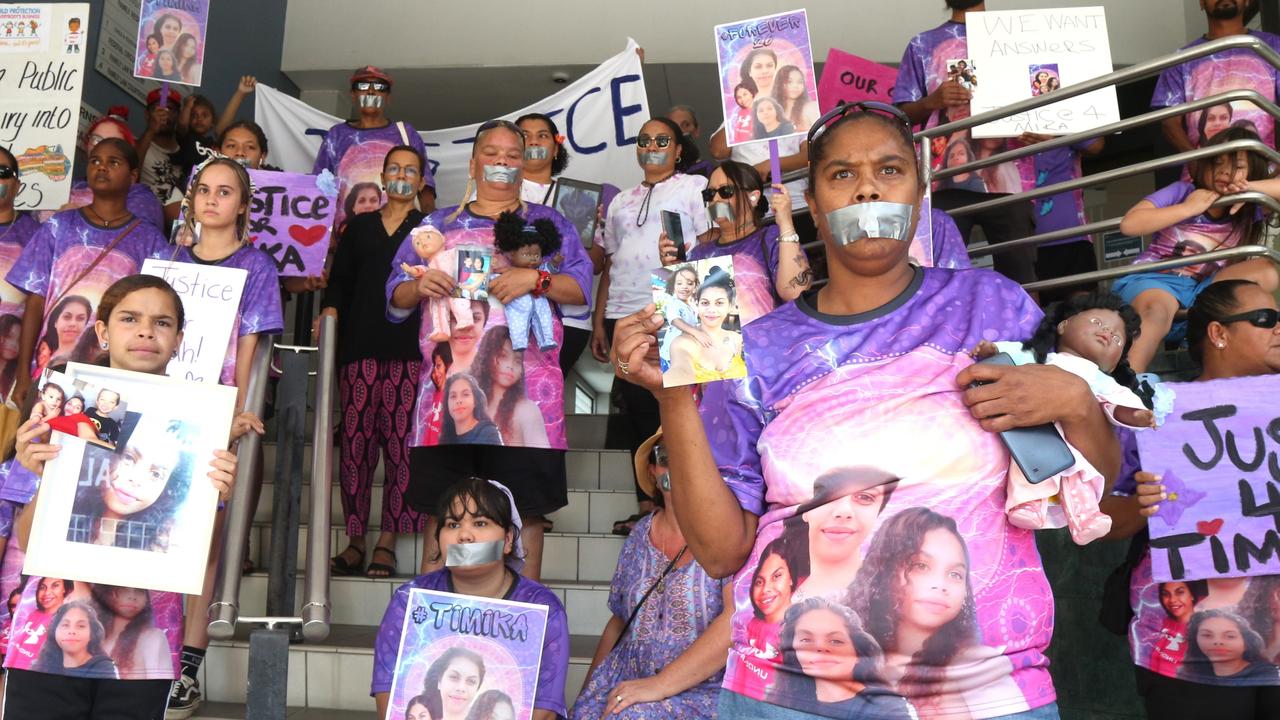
(579, 203)
(138, 512)
(468, 656)
(473, 273)
(701, 340)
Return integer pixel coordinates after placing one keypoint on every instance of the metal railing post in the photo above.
(316, 609)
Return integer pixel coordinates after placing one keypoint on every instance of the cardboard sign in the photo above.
(171, 41)
(849, 78)
(496, 642)
(767, 84)
(211, 300)
(1027, 53)
(1218, 456)
(157, 537)
(290, 218)
(41, 80)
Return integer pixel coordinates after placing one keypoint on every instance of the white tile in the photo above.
(323, 674)
(339, 680)
(226, 673)
(559, 558)
(583, 469)
(617, 471)
(573, 682)
(573, 518)
(253, 595)
(598, 557)
(296, 692)
(588, 611)
(358, 601)
(608, 508)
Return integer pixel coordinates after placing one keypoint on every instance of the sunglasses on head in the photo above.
(839, 111)
(724, 191)
(1265, 318)
(490, 125)
(7, 172)
(662, 141)
(367, 85)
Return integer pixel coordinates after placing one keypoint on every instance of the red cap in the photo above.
(369, 72)
(153, 98)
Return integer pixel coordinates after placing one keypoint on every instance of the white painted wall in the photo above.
(336, 34)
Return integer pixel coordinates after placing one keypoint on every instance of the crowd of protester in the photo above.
(840, 533)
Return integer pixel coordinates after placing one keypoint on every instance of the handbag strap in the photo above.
(404, 134)
(636, 610)
(85, 273)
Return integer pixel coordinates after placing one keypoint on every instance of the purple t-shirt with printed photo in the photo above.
(555, 644)
(755, 269)
(59, 253)
(536, 419)
(140, 201)
(355, 156)
(949, 250)
(1064, 210)
(259, 311)
(923, 69)
(14, 236)
(851, 440)
(1193, 236)
(1236, 69)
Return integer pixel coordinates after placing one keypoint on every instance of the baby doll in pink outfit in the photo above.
(428, 243)
(1088, 336)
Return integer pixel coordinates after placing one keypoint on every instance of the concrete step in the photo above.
(335, 674)
(237, 711)
(362, 601)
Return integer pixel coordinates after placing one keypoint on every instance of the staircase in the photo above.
(330, 680)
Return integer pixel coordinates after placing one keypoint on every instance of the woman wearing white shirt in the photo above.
(632, 232)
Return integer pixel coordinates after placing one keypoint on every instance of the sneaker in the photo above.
(184, 699)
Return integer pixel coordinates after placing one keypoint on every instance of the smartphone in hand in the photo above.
(674, 228)
(1039, 451)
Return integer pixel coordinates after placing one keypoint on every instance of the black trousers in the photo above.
(29, 694)
(999, 225)
(637, 418)
(575, 341)
(1168, 698)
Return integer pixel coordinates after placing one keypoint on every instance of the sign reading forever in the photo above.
(290, 218)
(1218, 455)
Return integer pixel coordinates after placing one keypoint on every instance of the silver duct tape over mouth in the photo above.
(720, 211)
(4, 191)
(654, 158)
(370, 101)
(399, 187)
(500, 174)
(870, 220)
(468, 554)
(536, 152)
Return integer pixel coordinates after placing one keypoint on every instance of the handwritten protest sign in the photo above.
(767, 84)
(41, 80)
(171, 41)
(849, 78)
(1027, 53)
(1218, 455)
(499, 642)
(290, 218)
(210, 298)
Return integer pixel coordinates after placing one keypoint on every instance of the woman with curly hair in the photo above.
(913, 589)
(500, 373)
(131, 498)
(492, 705)
(131, 637)
(1261, 607)
(840, 663)
(452, 682)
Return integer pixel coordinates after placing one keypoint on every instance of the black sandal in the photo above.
(624, 527)
(379, 570)
(338, 565)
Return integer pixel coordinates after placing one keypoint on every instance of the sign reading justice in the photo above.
(290, 217)
(1218, 456)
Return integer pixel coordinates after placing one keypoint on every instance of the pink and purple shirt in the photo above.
(1193, 236)
(355, 156)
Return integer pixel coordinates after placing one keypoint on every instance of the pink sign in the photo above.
(850, 78)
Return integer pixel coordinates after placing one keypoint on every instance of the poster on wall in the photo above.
(41, 81)
(463, 656)
(1015, 55)
(210, 302)
(768, 87)
(134, 506)
(171, 41)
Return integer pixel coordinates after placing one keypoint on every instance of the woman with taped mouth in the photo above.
(875, 365)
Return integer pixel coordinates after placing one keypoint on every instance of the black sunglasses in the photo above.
(1265, 318)
(661, 140)
(7, 172)
(844, 108)
(365, 86)
(724, 191)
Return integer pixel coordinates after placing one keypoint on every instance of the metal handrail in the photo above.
(225, 604)
(316, 608)
(1241, 251)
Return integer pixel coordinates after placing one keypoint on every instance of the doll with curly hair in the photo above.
(532, 246)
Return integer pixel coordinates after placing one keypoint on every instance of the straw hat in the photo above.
(644, 457)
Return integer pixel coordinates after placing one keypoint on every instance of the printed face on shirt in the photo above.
(823, 646)
(73, 632)
(461, 403)
(138, 475)
(438, 371)
(935, 583)
(1217, 119)
(128, 603)
(241, 144)
(502, 711)
(1220, 640)
(1177, 600)
(367, 200)
(417, 711)
(463, 340)
(9, 343)
(838, 528)
(508, 367)
(49, 594)
(458, 686)
(1096, 335)
(70, 324)
(771, 588)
